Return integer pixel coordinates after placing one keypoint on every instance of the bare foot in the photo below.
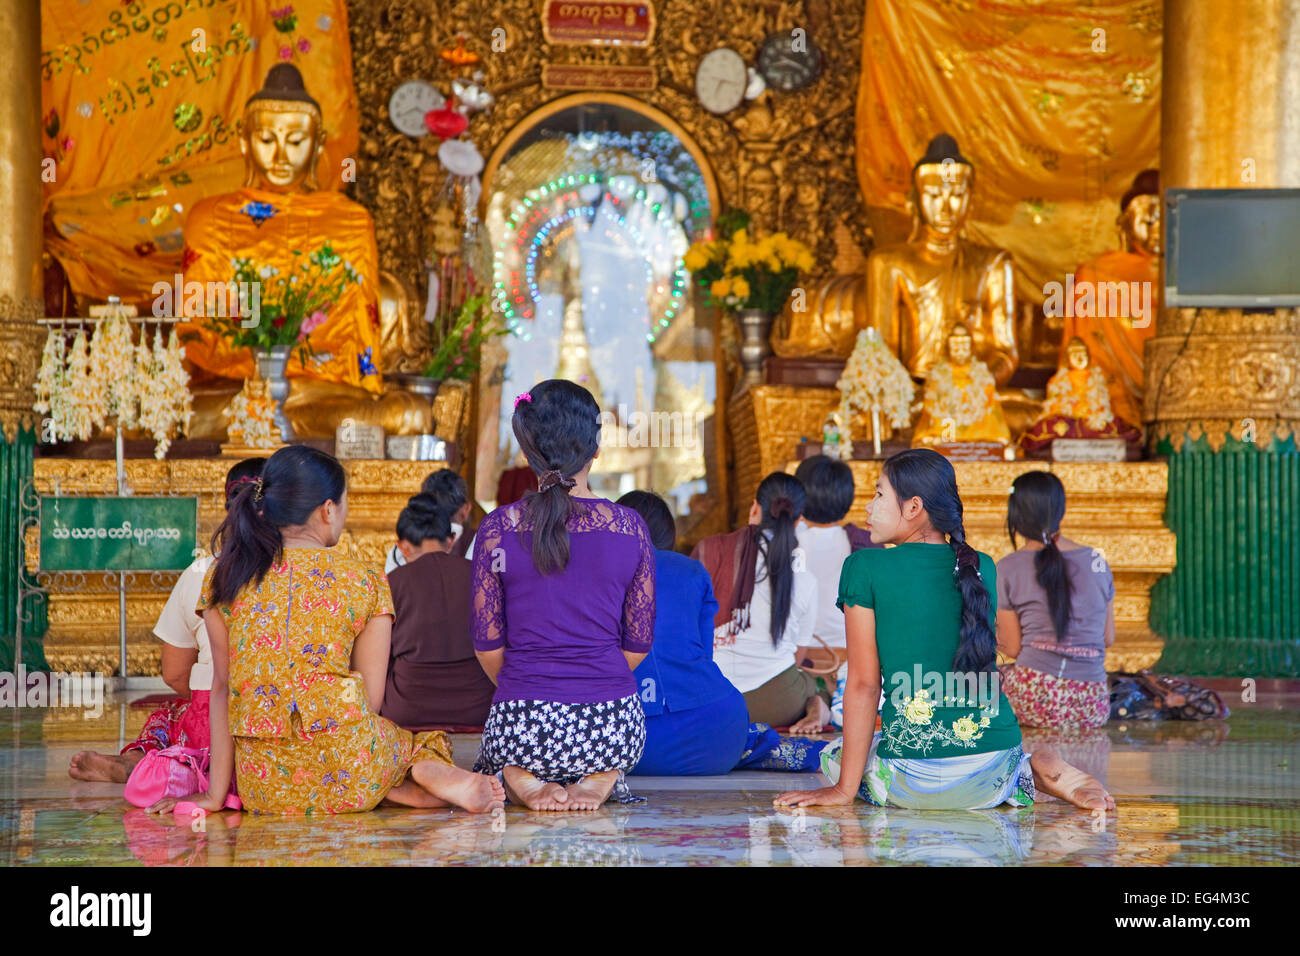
(408, 793)
(475, 792)
(105, 768)
(523, 788)
(817, 716)
(590, 793)
(1054, 776)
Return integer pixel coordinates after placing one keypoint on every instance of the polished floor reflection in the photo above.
(1188, 794)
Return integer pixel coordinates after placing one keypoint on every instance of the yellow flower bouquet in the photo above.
(740, 272)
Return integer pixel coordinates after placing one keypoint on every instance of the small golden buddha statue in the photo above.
(914, 292)
(961, 402)
(252, 417)
(1117, 339)
(1077, 406)
(278, 221)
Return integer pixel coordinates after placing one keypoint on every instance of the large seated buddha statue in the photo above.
(279, 221)
(1116, 340)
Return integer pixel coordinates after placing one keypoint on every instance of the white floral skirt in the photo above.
(963, 782)
(562, 743)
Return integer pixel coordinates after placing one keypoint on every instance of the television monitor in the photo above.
(1232, 248)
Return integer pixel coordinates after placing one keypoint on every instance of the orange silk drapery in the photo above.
(141, 102)
(1057, 104)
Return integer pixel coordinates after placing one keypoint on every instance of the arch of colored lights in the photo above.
(535, 220)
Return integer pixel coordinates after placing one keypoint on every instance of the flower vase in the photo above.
(755, 345)
(272, 366)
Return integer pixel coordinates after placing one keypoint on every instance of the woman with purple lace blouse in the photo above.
(563, 611)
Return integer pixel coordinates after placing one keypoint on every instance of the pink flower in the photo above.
(286, 52)
(311, 324)
(304, 45)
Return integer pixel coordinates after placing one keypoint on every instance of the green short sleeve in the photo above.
(855, 580)
(989, 573)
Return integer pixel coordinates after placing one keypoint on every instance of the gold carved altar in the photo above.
(83, 618)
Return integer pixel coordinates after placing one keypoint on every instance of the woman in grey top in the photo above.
(1056, 613)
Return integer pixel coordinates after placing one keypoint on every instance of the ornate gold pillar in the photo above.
(1223, 385)
(1229, 119)
(20, 208)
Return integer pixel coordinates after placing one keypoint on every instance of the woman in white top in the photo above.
(767, 608)
(186, 668)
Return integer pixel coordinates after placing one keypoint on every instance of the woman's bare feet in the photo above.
(475, 792)
(523, 788)
(590, 793)
(1054, 776)
(817, 716)
(105, 768)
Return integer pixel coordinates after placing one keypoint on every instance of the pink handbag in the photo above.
(172, 772)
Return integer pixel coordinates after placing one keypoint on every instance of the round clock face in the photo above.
(789, 61)
(721, 80)
(409, 103)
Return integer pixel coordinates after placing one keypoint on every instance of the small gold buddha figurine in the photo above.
(1077, 406)
(914, 292)
(961, 402)
(252, 417)
(279, 220)
(1117, 338)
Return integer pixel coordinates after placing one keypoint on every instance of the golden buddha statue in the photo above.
(278, 221)
(1077, 406)
(252, 417)
(914, 292)
(1116, 341)
(961, 402)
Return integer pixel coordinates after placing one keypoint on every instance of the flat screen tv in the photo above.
(1232, 248)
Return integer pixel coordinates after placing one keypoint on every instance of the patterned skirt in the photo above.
(964, 782)
(562, 743)
(344, 770)
(181, 723)
(1044, 700)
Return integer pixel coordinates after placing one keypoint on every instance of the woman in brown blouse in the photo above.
(434, 678)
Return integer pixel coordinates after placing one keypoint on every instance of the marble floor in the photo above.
(1189, 795)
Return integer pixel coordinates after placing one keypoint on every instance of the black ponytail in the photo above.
(295, 482)
(557, 425)
(782, 498)
(924, 473)
(1035, 509)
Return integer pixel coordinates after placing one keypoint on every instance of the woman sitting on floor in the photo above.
(924, 611)
(564, 610)
(186, 668)
(827, 541)
(771, 608)
(1056, 613)
(697, 723)
(449, 490)
(300, 636)
(434, 679)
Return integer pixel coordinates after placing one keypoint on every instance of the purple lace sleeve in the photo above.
(488, 608)
(639, 602)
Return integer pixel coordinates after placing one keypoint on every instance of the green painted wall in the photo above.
(16, 468)
(1231, 607)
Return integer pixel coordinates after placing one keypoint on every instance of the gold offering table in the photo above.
(83, 614)
(1117, 508)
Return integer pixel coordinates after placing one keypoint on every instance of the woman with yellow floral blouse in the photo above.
(300, 638)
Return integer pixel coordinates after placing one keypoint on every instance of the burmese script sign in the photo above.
(598, 76)
(619, 23)
(118, 534)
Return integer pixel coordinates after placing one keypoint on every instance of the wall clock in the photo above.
(721, 80)
(789, 63)
(409, 103)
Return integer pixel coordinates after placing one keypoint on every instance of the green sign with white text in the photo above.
(118, 534)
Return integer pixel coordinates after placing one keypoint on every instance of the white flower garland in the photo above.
(874, 380)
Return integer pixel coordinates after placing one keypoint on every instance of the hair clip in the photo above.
(522, 397)
(257, 489)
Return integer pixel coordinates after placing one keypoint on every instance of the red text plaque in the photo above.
(616, 23)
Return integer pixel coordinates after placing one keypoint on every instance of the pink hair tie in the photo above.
(522, 397)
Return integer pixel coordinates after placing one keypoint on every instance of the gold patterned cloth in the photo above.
(280, 231)
(1040, 101)
(306, 740)
(141, 102)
